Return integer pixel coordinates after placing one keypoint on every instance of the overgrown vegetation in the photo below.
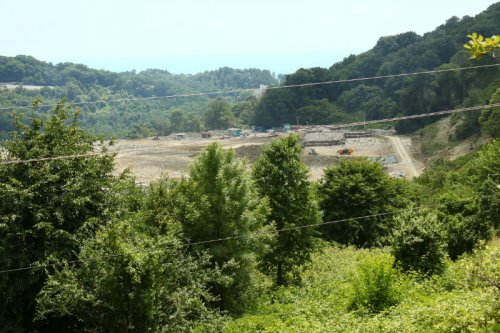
(232, 248)
(238, 249)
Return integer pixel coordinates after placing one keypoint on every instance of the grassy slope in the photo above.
(453, 302)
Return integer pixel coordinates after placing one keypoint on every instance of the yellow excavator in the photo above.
(345, 151)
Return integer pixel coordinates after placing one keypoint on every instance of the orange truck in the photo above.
(345, 151)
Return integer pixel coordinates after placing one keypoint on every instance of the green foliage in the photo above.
(130, 279)
(398, 96)
(429, 305)
(490, 119)
(124, 119)
(464, 227)
(319, 112)
(281, 177)
(418, 241)
(469, 122)
(476, 270)
(219, 201)
(245, 111)
(478, 46)
(47, 208)
(376, 287)
(219, 115)
(356, 188)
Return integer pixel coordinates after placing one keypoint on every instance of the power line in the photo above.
(223, 239)
(415, 116)
(384, 76)
(386, 120)
(221, 92)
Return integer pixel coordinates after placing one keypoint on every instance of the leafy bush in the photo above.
(463, 303)
(418, 241)
(127, 286)
(355, 188)
(376, 287)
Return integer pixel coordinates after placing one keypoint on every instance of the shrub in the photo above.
(418, 241)
(376, 286)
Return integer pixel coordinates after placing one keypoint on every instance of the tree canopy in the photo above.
(282, 178)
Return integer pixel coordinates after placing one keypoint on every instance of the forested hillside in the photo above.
(78, 83)
(378, 99)
(322, 104)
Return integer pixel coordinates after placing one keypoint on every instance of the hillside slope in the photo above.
(378, 99)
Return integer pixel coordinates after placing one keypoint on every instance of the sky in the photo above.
(190, 36)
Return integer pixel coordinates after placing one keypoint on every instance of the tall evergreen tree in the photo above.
(282, 177)
(219, 201)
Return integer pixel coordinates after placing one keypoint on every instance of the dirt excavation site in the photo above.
(149, 158)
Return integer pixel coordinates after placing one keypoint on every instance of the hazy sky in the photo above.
(189, 36)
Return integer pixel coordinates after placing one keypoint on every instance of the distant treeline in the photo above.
(321, 104)
(78, 83)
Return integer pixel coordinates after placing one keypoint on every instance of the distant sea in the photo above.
(276, 63)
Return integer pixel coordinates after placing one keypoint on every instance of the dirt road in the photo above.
(404, 156)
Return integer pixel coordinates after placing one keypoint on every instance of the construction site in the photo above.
(149, 158)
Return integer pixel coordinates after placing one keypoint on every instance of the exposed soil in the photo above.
(148, 159)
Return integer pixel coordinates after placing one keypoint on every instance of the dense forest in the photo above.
(233, 247)
(322, 104)
(80, 84)
(399, 96)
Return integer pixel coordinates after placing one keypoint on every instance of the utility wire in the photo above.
(223, 239)
(422, 115)
(472, 108)
(221, 92)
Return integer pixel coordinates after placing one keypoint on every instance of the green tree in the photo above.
(319, 112)
(376, 285)
(46, 207)
(148, 284)
(490, 118)
(357, 188)
(463, 226)
(282, 177)
(219, 116)
(219, 201)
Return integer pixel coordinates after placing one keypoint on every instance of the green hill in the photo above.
(378, 99)
(78, 83)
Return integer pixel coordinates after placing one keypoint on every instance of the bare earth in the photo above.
(406, 163)
(148, 159)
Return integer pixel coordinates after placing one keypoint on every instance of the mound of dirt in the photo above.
(250, 152)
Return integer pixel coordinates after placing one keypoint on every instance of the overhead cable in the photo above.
(386, 120)
(222, 92)
(223, 239)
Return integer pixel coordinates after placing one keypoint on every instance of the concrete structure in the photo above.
(358, 134)
(325, 138)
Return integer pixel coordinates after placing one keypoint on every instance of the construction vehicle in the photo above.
(345, 151)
